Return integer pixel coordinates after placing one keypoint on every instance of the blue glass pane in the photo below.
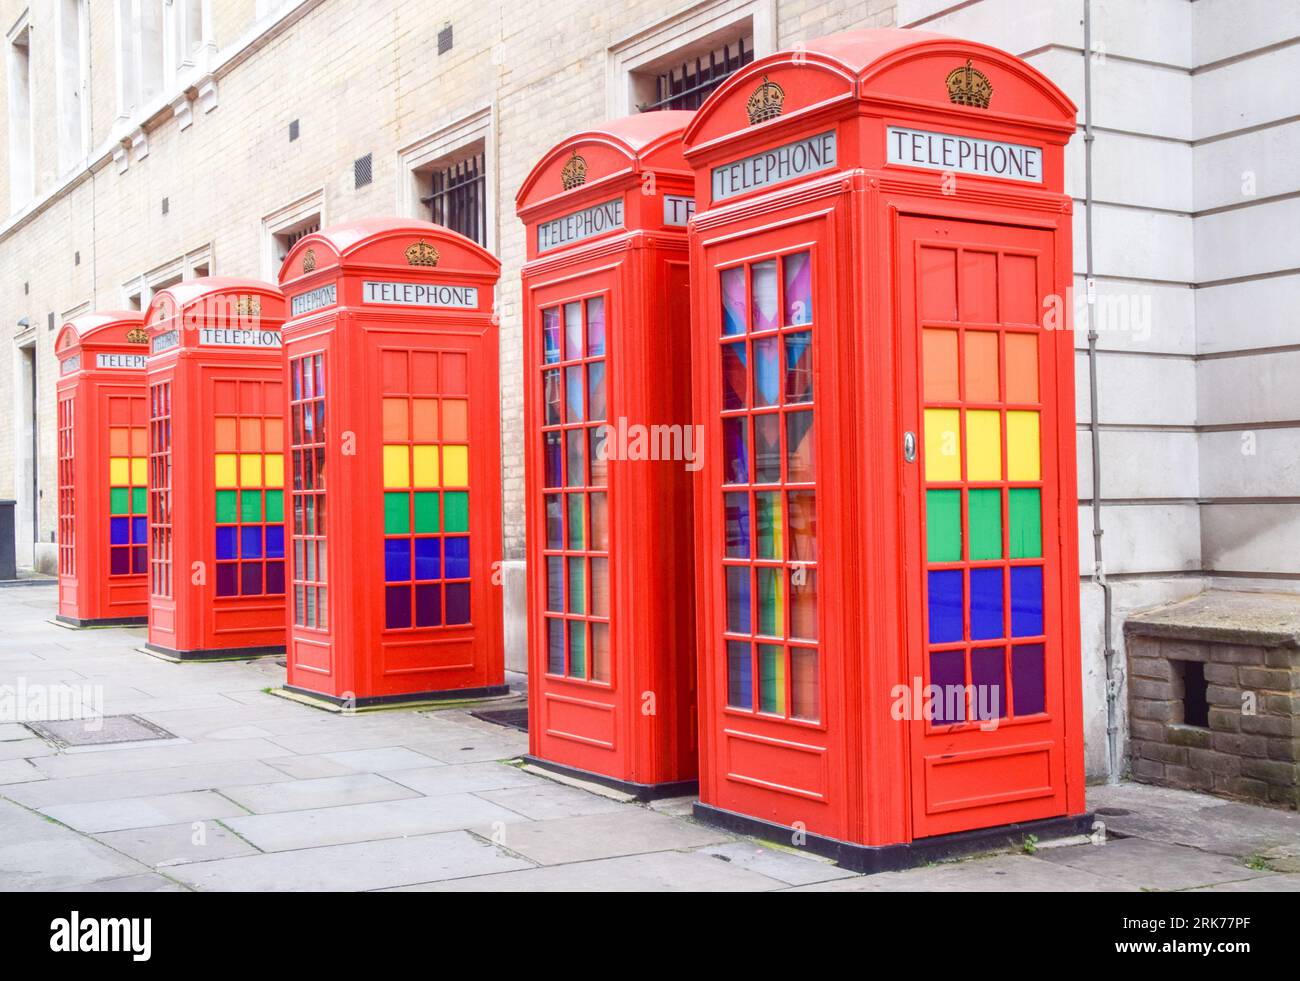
(275, 541)
(1026, 601)
(250, 541)
(227, 543)
(427, 562)
(734, 367)
(738, 605)
(551, 335)
(139, 530)
(945, 606)
(740, 685)
(733, 300)
(397, 559)
(119, 531)
(985, 603)
(737, 517)
(457, 558)
(735, 451)
(767, 371)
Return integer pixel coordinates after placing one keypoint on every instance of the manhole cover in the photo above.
(99, 731)
(510, 718)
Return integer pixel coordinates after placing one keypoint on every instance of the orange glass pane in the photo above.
(139, 441)
(226, 429)
(250, 435)
(425, 420)
(396, 427)
(981, 366)
(455, 420)
(1022, 368)
(119, 442)
(939, 365)
(274, 429)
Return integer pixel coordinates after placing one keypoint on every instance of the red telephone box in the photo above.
(216, 470)
(102, 443)
(887, 562)
(609, 455)
(396, 465)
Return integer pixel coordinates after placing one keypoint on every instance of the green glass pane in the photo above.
(397, 516)
(577, 649)
(1026, 523)
(771, 678)
(985, 524)
(456, 504)
(577, 528)
(250, 506)
(943, 526)
(577, 585)
(139, 500)
(426, 512)
(275, 506)
(226, 514)
(119, 499)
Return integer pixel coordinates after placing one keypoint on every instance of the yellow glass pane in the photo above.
(942, 444)
(250, 470)
(455, 466)
(397, 466)
(139, 472)
(227, 470)
(274, 470)
(1023, 461)
(426, 466)
(119, 471)
(983, 445)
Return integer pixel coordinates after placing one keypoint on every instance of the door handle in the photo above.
(909, 447)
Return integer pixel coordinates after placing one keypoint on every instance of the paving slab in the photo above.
(157, 757)
(368, 822)
(37, 854)
(18, 771)
(1264, 883)
(1151, 864)
(368, 865)
(145, 882)
(114, 786)
(477, 748)
(463, 778)
(388, 758)
(994, 873)
(302, 795)
(9, 731)
(631, 830)
(26, 749)
(671, 871)
(178, 844)
(544, 801)
(790, 868)
(143, 812)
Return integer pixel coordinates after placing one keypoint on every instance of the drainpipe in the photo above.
(1094, 428)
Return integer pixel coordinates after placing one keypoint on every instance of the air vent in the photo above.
(363, 170)
(167, 205)
(76, 258)
(49, 325)
(444, 40)
(293, 131)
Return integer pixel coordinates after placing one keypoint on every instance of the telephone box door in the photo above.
(982, 524)
(777, 589)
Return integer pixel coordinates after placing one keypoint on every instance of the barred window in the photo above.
(457, 193)
(687, 85)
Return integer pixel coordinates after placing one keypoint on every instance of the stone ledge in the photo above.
(1219, 616)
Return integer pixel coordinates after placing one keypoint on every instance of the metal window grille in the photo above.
(444, 40)
(689, 84)
(458, 198)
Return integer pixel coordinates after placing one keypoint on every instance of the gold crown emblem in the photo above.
(765, 102)
(137, 335)
(574, 173)
(248, 306)
(969, 86)
(309, 260)
(422, 254)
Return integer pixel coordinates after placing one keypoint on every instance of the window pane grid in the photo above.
(575, 499)
(307, 451)
(160, 489)
(67, 496)
(769, 561)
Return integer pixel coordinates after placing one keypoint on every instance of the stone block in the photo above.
(1212, 762)
(1184, 735)
(1162, 752)
(1269, 679)
(1156, 711)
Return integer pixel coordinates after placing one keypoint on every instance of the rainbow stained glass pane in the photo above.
(771, 601)
(798, 368)
(798, 289)
(764, 294)
(771, 678)
(551, 335)
(734, 370)
(767, 371)
(733, 301)
(596, 327)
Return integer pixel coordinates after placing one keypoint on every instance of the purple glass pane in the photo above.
(275, 578)
(735, 451)
(988, 679)
(1026, 601)
(250, 541)
(945, 606)
(1027, 678)
(397, 607)
(948, 686)
(457, 557)
(227, 579)
(551, 335)
(227, 542)
(553, 451)
(139, 559)
(457, 602)
(397, 559)
(596, 327)
(985, 603)
(555, 584)
(119, 531)
(275, 541)
(250, 578)
(738, 606)
(119, 561)
(733, 301)
(428, 605)
(555, 646)
(740, 669)
(737, 519)
(428, 563)
(798, 289)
